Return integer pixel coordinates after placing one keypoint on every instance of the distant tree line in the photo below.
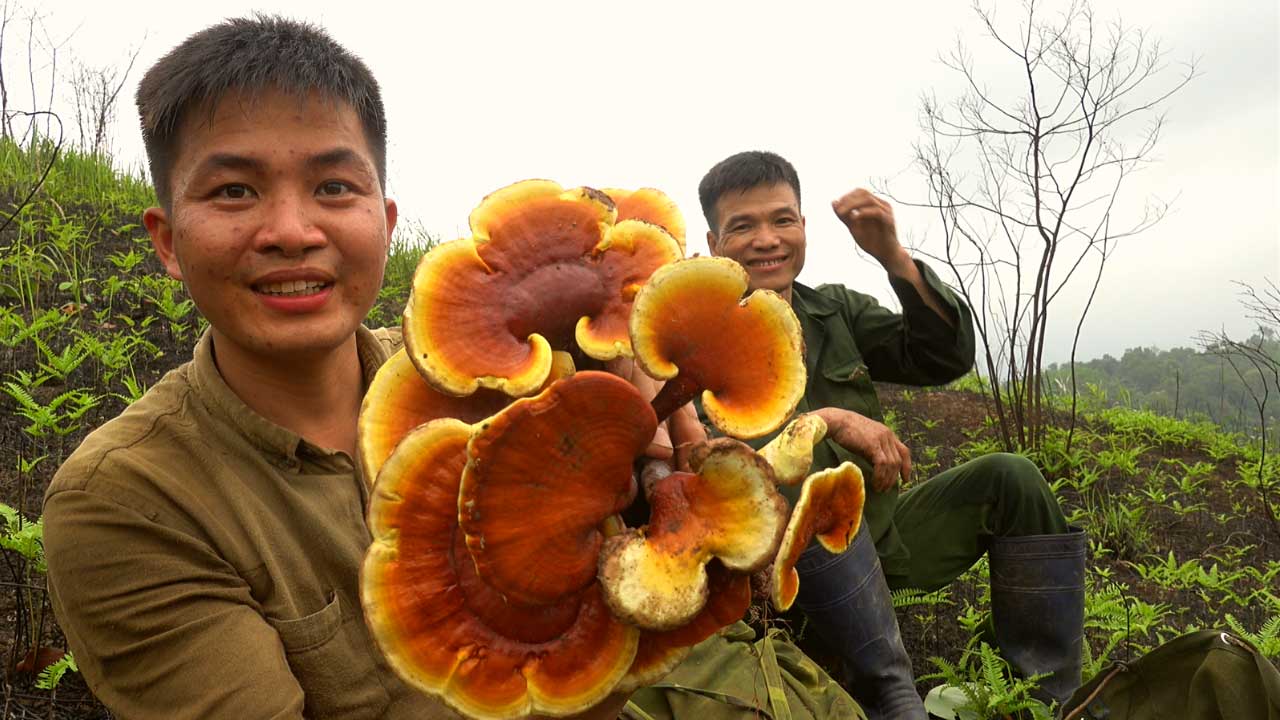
(1183, 382)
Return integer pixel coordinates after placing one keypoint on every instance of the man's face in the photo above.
(763, 230)
(278, 228)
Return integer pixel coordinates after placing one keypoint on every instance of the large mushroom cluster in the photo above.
(501, 576)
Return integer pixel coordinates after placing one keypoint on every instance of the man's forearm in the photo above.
(903, 267)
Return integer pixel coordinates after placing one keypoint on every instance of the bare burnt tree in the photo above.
(6, 125)
(42, 65)
(96, 91)
(1261, 354)
(1027, 183)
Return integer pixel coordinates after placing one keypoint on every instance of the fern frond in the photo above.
(52, 675)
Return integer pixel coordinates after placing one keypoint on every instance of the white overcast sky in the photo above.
(481, 94)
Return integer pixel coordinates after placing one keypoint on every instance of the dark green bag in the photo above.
(1205, 675)
(734, 676)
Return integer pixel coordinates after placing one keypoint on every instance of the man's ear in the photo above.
(711, 243)
(393, 214)
(156, 221)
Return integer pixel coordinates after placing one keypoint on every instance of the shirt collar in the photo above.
(808, 301)
(214, 392)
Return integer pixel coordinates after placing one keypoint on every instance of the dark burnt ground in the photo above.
(1219, 521)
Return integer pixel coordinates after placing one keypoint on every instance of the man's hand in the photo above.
(873, 441)
(675, 437)
(686, 432)
(870, 221)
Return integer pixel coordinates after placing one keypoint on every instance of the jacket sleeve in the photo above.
(160, 625)
(914, 347)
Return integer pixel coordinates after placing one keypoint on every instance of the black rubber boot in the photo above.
(1037, 607)
(848, 603)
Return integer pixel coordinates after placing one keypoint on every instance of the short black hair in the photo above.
(741, 172)
(252, 55)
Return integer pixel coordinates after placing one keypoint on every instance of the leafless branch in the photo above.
(1027, 186)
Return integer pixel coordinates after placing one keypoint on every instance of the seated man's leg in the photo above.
(1001, 503)
(846, 598)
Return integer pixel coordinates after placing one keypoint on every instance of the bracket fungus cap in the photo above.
(543, 475)
(652, 206)
(691, 327)
(655, 577)
(447, 633)
(399, 400)
(829, 508)
(659, 652)
(543, 268)
(790, 454)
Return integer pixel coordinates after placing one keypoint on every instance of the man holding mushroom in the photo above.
(205, 546)
(929, 534)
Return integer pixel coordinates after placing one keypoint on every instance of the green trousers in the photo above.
(943, 525)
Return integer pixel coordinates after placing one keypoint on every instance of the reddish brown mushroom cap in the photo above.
(690, 323)
(729, 596)
(543, 475)
(655, 577)
(446, 632)
(399, 400)
(829, 508)
(791, 453)
(544, 266)
(652, 206)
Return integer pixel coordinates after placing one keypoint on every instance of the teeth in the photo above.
(292, 287)
(766, 263)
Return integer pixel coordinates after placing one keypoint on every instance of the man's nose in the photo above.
(765, 238)
(289, 226)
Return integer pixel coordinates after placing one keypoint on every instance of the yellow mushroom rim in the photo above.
(399, 400)
(447, 633)
(544, 268)
(652, 206)
(691, 327)
(659, 652)
(729, 508)
(829, 508)
(790, 454)
(543, 475)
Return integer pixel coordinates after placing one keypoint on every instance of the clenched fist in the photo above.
(870, 221)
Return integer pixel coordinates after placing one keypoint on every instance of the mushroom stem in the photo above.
(677, 392)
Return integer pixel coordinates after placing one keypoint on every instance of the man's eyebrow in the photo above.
(229, 161)
(336, 156)
(326, 159)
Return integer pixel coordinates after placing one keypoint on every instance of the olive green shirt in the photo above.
(204, 562)
(852, 340)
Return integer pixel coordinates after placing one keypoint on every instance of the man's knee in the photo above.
(1014, 476)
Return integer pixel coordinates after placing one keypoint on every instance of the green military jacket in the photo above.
(852, 340)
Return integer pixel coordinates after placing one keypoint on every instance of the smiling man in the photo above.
(204, 547)
(998, 504)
